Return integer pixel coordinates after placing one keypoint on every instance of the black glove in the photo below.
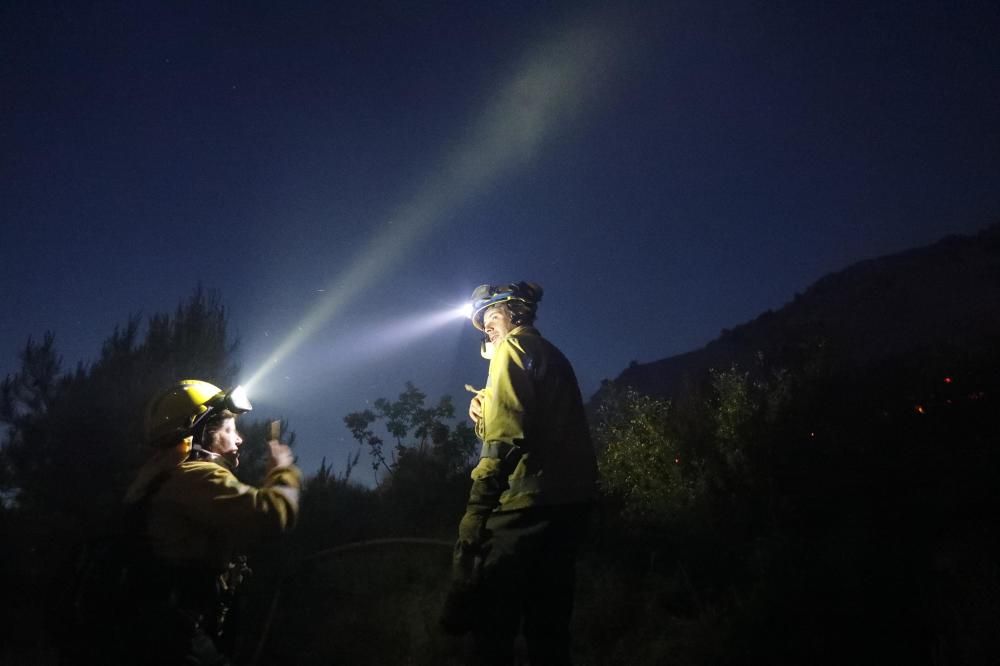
(460, 610)
(471, 529)
(461, 606)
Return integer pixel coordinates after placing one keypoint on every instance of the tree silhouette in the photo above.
(449, 447)
(73, 440)
(425, 475)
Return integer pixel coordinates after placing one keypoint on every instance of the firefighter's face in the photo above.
(226, 441)
(497, 323)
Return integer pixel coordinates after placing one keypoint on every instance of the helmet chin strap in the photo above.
(230, 460)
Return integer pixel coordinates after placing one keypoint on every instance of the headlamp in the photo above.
(464, 311)
(236, 400)
(484, 297)
(488, 295)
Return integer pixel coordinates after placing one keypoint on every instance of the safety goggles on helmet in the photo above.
(178, 412)
(234, 400)
(525, 294)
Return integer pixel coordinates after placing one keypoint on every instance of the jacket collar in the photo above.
(522, 330)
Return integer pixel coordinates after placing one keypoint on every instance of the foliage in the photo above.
(375, 605)
(424, 478)
(334, 511)
(809, 505)
(80, 434)
(435, 441)
(641, 459)
(782, 513)
(72, 440)
(666, 461)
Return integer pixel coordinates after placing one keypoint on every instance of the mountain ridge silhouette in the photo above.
(945, 295)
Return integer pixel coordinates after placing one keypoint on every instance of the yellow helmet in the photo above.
(176, 413)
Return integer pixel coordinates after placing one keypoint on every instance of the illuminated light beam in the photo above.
(548, 90)
(374, 341)
(377, 341)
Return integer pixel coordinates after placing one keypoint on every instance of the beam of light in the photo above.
(403, 331)
(374, 341)
(547, 91)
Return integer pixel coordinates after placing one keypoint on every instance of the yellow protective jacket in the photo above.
(200, 515)
(536, 444)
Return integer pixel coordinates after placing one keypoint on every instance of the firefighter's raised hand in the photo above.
(279, 455)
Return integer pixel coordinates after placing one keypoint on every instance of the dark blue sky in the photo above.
(663, 169)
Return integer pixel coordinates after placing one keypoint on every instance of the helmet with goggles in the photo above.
(521, 299)
(182, 410)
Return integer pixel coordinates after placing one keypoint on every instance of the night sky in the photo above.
(339, 173)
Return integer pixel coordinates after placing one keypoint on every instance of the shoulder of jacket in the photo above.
(527, 339)
(204, 469)
(524, 331)
(508, 351)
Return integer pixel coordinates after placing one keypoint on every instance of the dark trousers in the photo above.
(176, 626)
(151, 638)
(529, 576)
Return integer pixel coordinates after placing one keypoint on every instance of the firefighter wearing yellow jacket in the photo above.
(531, 490)
(199, 519)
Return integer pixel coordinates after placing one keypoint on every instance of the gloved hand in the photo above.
(467, 564)
(471, 529)
(461, 606)
(460, 610)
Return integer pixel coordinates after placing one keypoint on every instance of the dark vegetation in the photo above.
(807, 496)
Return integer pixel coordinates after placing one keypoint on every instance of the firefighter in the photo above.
(514, 561)
(198, 519)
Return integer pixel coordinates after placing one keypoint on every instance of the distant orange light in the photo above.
(812, 434)
(677, 461)
(920, 409)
